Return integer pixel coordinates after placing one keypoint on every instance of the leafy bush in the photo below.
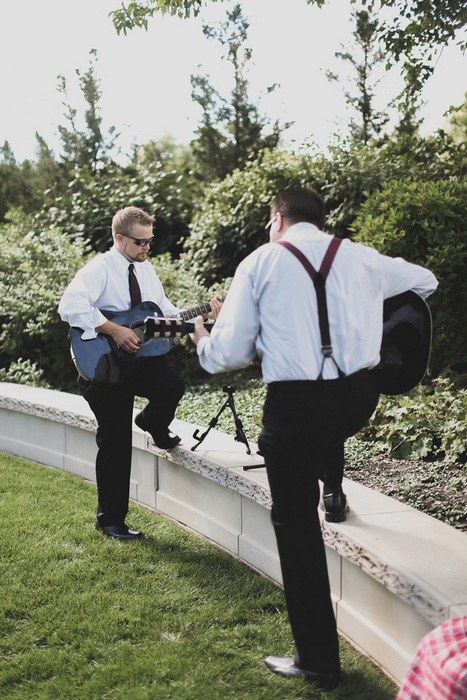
(23, 372)
(425, 223)
(35, 267)
(94, 198)
(351, 174)
(231, 221)
(180, 285)
(429, 423)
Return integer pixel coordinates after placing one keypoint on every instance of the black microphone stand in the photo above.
(239, 432)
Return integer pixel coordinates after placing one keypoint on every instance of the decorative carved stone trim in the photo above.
(389, 577)
(224, 476)
(58, 415)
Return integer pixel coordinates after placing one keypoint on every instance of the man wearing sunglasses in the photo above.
(116, 281)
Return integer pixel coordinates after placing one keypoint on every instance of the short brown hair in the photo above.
(124, 220)
(300, 204)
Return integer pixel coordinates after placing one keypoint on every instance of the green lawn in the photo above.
(88, 618)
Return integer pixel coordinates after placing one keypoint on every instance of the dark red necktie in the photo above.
(135, 291)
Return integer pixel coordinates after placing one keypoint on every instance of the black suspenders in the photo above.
(319, 282)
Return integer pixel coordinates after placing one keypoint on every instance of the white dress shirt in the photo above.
(103, 284)
(271, 308)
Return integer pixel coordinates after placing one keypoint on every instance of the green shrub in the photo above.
(428, 423)
(23, 372)
(181, 286)
(35, 267)
(425, 223)
(231, 221)
(93, 199)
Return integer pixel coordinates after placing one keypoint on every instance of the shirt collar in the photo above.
(304, 231)
(119, 259)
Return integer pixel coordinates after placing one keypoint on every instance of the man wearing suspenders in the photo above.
(317, 339)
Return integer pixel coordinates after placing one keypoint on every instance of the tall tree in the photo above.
(422, 26)
(89, 146)
(137, 14)
(32, 185)
(366, 57)
(231, 130)
(51, 175)
(17, 183)
(10, 180)
(415, 31)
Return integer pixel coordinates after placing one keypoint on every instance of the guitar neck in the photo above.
(155, 327)
(188, 314)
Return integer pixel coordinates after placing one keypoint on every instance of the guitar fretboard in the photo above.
(188, 314)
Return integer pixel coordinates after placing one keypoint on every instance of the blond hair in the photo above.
(124, 220)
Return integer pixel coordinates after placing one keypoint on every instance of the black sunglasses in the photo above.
(138, 241)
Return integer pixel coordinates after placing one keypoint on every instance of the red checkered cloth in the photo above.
(439, 668)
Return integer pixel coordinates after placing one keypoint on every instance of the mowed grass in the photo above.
(84, 617)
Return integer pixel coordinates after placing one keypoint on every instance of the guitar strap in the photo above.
(319, 282)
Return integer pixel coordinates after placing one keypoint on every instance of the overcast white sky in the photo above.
(145, 76)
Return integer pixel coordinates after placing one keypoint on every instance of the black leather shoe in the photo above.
(119, 532)
(165, 439)
(335, 507)
(287, 667)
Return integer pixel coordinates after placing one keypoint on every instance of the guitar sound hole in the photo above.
(140, 331)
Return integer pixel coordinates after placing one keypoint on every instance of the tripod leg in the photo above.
(239, 432)
(212, 424)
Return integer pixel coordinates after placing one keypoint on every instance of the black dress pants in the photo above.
(305, 423)
(152, 378)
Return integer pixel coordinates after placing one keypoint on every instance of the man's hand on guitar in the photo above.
(200, 330)
(123, 336)
(216, 306)
(126, 339)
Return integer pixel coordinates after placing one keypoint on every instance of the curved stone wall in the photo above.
(395, 573)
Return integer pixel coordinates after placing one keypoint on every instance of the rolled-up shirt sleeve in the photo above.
(399, 275)
(77, 305)
(232, 341)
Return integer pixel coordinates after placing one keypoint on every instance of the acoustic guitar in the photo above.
(406, 345)
(405, 348)
(102, 361)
